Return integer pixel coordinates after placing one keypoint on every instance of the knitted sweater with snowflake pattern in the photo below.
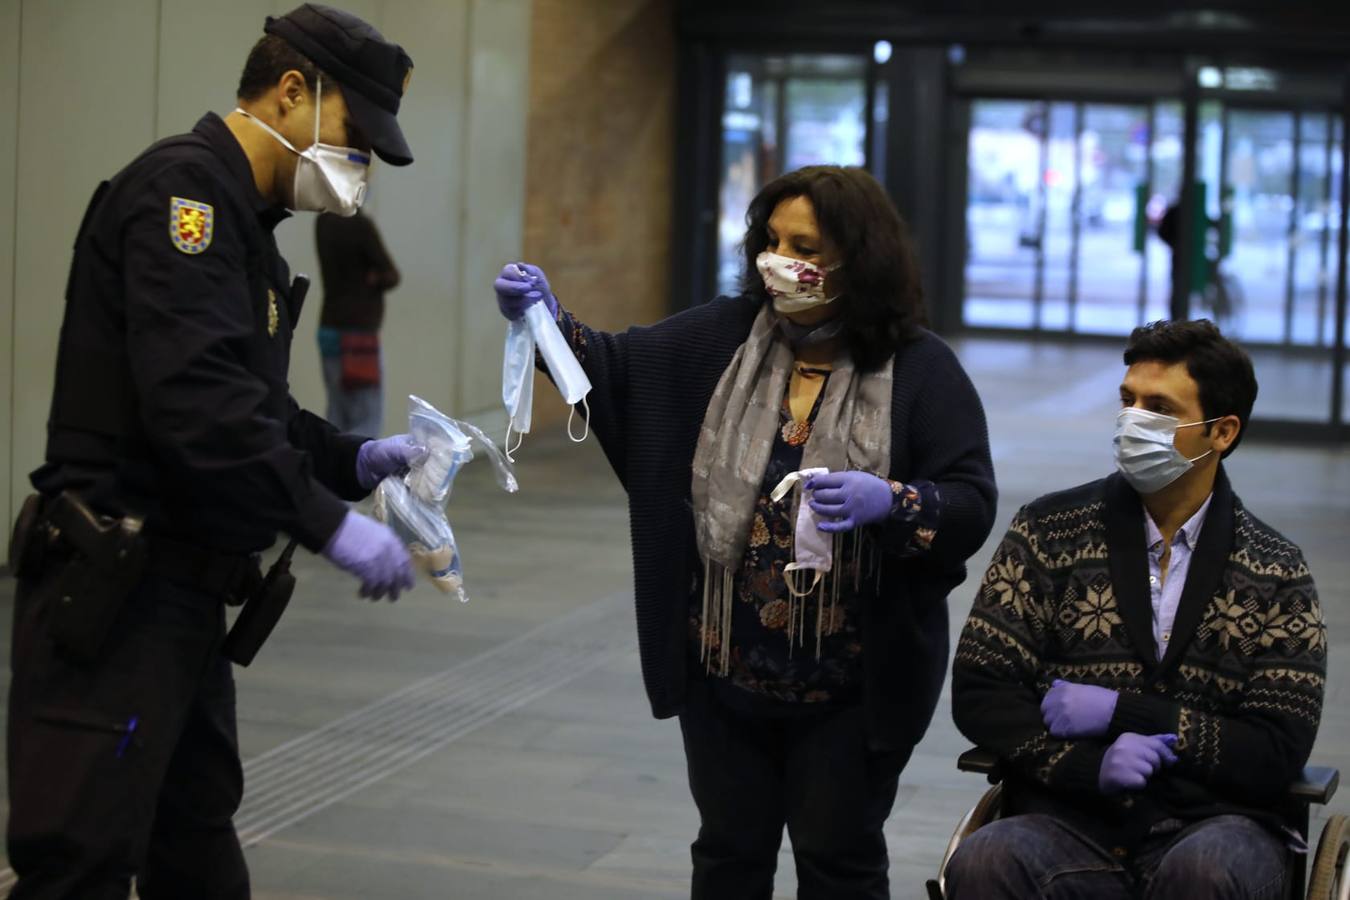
(1067, 596)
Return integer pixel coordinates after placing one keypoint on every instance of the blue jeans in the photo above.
(359, 411)
(1038, 857)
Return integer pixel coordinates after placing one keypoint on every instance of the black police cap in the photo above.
(371, 71)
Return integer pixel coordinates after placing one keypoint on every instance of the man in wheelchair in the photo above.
(1147, 659)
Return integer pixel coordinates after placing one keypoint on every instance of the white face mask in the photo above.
(794, 284)
(1145, 452)
(327, 178)
(537, 330)
(812, 549)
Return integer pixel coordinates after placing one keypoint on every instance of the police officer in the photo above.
(175, 453)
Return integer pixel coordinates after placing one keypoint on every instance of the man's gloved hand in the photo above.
(1078, 710)
(1133, 759)
(373, 553)
(851, 499)
(521, 285)
(377, 460)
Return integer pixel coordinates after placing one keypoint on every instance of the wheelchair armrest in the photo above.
(984, 762)
(1317, 785)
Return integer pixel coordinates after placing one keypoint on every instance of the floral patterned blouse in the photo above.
(770, 673)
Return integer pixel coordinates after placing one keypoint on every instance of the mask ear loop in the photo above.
(585, 418)
(519, 443)
(789, 576)
(318, 106)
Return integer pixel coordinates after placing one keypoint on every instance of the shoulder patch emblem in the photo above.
(273, 315)
(190, 225)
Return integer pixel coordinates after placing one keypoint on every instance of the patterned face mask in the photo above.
(794, 284)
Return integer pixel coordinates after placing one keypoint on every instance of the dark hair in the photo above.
(269, 59)
(881, 298)
(1222, 370)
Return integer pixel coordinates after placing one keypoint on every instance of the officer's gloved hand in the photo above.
(373, 553)
(1133, 759)
(521, 285)
(377, 460)
(1072, 710)
(852, 499)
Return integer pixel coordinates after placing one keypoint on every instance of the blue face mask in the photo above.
(1145, 452)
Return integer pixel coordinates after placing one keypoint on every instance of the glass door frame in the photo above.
(1079, 100)
(1335, 427)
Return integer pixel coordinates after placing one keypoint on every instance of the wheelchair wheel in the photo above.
(981, 814)
(1330, 876)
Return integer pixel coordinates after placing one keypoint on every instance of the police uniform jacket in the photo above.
(171, 396)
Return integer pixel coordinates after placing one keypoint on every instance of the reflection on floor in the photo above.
(503, 749)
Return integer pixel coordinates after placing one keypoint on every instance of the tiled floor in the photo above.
(563, 786)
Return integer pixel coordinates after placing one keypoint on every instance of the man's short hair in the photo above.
(1222, 370)
(269, 59)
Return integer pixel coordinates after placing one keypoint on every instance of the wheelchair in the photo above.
(1329, 878)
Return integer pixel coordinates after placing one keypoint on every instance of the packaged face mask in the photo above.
(414, 505)
(426, 533)
(449, 444)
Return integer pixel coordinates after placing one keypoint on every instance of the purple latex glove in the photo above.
(851, 499)
(1073, 710)
(519, 286)
(373, 553)
(1133, 759)
(377, 460)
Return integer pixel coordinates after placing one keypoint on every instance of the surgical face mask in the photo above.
(1145, 452)
(327, 178)
(794, 284)
(537, 330)
(812, 549)
(518, 380)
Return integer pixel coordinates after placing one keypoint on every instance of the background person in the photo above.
(357, 271)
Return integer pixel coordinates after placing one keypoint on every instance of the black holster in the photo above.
(101, 560)
(262, 610)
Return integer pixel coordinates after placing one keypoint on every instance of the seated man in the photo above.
(1146, 657)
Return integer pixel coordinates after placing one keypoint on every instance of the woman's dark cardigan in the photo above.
(651, 387)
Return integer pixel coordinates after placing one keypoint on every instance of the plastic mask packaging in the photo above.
(414, 505)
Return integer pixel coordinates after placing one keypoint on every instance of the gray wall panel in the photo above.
(86, 106)
(9, 145)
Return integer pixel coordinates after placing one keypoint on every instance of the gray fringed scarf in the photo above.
(852, 430)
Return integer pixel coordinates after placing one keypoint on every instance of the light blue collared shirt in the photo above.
(1167, 594)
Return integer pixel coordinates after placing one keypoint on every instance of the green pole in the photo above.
(1140, 216)
(1198, 237)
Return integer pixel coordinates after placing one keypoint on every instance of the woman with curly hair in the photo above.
(807, 470)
